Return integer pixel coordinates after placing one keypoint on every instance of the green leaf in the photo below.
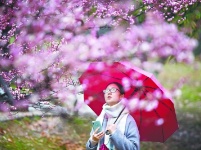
(12, 39)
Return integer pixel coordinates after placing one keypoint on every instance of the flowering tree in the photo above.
(44, 44)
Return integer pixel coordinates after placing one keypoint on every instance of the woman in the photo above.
(121, 135)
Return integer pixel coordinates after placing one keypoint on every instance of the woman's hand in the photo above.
(97, 136)
(111, 128)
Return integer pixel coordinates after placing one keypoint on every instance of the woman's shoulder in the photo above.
(130, 120)
(131, 124)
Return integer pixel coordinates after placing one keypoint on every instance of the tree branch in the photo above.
(7, 91)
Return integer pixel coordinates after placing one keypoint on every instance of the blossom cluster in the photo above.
(171, 7)
(49, 41)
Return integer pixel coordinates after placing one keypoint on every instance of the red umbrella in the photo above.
(146, 99)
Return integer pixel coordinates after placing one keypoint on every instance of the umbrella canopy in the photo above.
(145, 98)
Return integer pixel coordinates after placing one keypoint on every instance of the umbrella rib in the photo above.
(123, 73)
(162, 124)
(137, 89)
(150, 87)
(166, 106)
(146, 79)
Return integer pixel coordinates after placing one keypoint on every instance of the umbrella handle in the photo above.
(107, 132)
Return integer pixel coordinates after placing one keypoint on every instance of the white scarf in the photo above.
(112, 113)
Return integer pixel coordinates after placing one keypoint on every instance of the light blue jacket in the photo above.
(129, 141)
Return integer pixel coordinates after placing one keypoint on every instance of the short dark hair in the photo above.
(121, 88)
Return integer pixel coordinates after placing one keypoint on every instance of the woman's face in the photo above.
(111, 97)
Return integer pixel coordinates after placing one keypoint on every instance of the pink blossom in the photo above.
(47, 42)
